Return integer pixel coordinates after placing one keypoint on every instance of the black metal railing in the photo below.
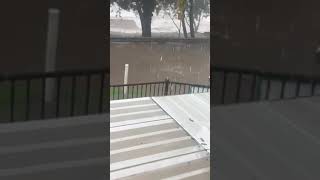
(161, 88)
(26, 96)
(35, 96)
(231, 85)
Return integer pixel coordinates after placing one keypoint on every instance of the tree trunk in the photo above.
(191, 20)
(196, 25)
(146, 26)
(145, 10)
(184, 28)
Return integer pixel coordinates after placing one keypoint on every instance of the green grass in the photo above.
(134, 92)
(145, 91)
(118, 93)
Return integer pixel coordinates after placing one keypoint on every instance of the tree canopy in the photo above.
(146, 8)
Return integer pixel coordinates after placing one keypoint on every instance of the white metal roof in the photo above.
(147, 143)
(192, 112)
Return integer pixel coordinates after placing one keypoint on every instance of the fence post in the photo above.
(125, 80)
(166, 88)
(52, 40)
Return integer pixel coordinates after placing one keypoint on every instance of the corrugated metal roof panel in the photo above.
(147, 143)
(192, 112)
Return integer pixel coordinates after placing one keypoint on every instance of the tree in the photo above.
(195, 10)
(175, 9)
(145, 9)
(182, 10)
(199, 9)
(172, 13)
(191, 20)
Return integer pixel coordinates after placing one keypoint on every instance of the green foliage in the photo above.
(201, 7)
(146, 8)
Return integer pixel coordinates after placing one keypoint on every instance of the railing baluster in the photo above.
(73, 86)
(12, 97)
(176, 88)
(283, 85)
(132, 91)
(141, 87)
(43, 106)
(145, 93)
(58, 96)
(113, 91)
(253, 87)
(313, 87)
(143, 90)
(298, 88)
(223, 87)
(118, 92)
(28, 100)
(137, 94)
(101, 92)
(123, 92)
(268, 89)
(128, 91)
(163, 88)
(167, 84)
(238, 87)
(87, 94)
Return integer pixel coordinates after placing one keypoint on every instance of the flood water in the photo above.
(182, 61)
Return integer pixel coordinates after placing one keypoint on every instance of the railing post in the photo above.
(125, 80)
(52, 40)
(166, 88)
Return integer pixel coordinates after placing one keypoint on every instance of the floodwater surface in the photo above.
(155, 61)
